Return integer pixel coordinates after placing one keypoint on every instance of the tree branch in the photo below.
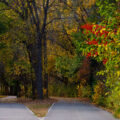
(11, 7)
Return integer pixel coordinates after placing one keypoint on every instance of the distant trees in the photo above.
(36, 22)
(29, 10)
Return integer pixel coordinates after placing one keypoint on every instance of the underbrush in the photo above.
(62, 90)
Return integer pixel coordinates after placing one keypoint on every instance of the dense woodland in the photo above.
(66, 48)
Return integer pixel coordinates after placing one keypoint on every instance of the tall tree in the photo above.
(27, 9)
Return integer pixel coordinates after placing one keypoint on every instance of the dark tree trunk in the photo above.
(39, 74)
(18, 88)
(45, 67)
(33, 84)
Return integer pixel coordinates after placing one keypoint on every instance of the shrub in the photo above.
(84, 91)
(113, 100)
(117, 113)
(62, 90)
(99, 93)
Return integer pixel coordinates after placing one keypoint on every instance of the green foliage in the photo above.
(113, 94)
(3, 28)
(117, 113)
(68, 66)
(5, 20)
(107, 53)
(84, 91)
(2, 45)
(107, 8)
(13, 55)
(99, 94)
(62, 90)
(94, 17)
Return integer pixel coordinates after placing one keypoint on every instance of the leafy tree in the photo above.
(37, 27)
(101, 42)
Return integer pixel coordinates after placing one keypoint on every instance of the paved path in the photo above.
(77, 111)
(13, 111)
(8, 97)
(59, 111)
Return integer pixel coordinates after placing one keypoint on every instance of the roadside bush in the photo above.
(84, 91)
(26, 92)
(113, 99)
(117, 113)
(62, 90)
(99, 94)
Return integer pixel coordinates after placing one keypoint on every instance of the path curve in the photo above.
(77, 111)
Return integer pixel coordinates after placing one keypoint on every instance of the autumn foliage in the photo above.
(98, 31)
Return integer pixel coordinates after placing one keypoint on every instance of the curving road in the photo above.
(77, 111)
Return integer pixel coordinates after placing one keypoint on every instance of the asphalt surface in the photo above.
(77, 111)
(58, 111)
(13, 111)
(8, 97)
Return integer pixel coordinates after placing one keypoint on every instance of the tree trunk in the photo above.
(39, 73)
(45, 67)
